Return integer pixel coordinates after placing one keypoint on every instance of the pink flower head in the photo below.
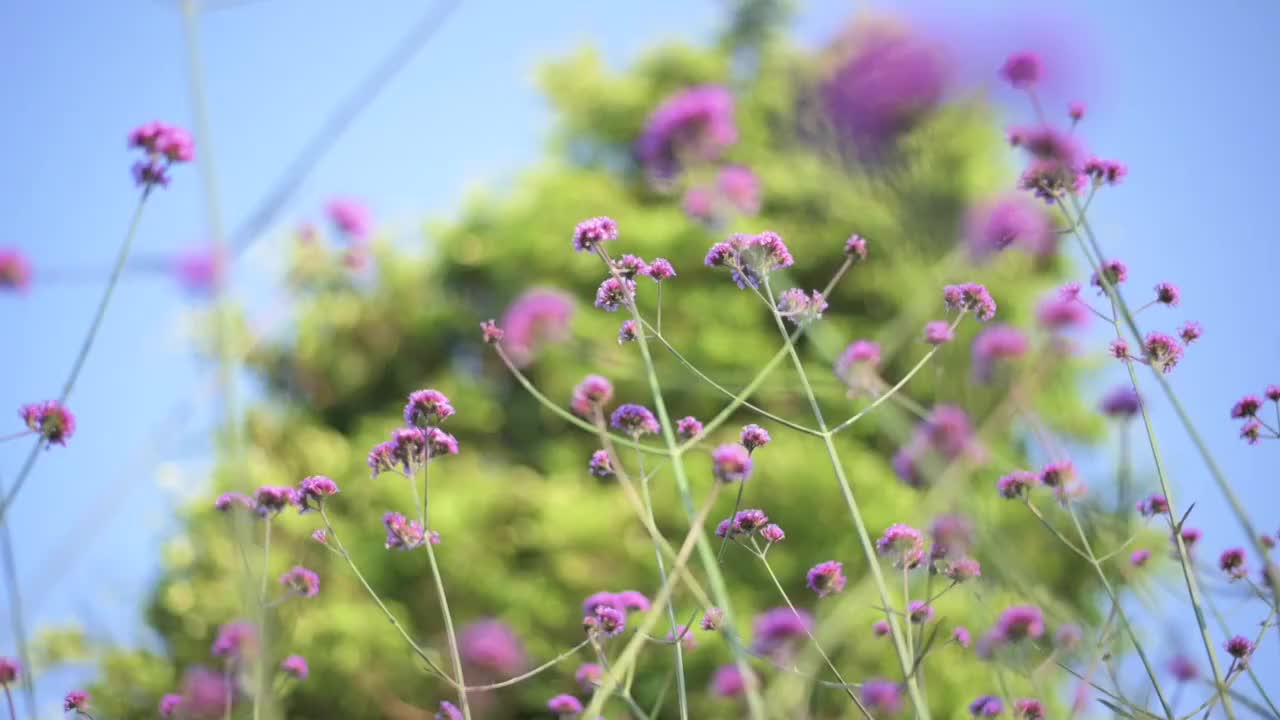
(448, 711)
(10, 670)
(1007, 221)
(880, 628)
(589, 676)
(564, 705)
(1121, 402)
(712, 619)
(598, 600)
(600, 464)
(594, 392)
(1057, 474)
(536, 318)
(963, 569)
(700, 204)
(859, 354)
(1183, 668)
(296, 667)
(592, 232)
(169, 704)
(615, 293)
(1240, 648)
(740, 188)
(301, 581)
(236, 641)
(1139, 557)
(1028, 709)
(1246, 407)
(1017, 484)
(320, 535)
(1168, 294)
(986, 706)
(731, 463)
(970, 297)
(684, 634)
(491, 647)
(633, 601)
(634, 420)
(1273, 393)
(426, 408)
(772, 533)
(1232, 562)
(313, 490)
(952, 536)
(1191, 536)
(660, 269)
(491, 333)
(1105, 172)
(382, 458)
(801, 308)
(1056, 314)
(163, 145)
(903, 544)
(856, 248)
(727, 681)
(1114, 272)
(938, 332)
(351, 217)
(1075, 111)
(402, 533)
(753, 436)
(15, 272)
(77, 700)
(693, 125)
(750, 258)
(273, 499)
(826, 578)
(1021, 69)
(1118, 349)
(199, 270)
(1162, 351)
(1153, 505)
(51, 419)
(920, 612)
(994, 344)
(882, 697)
(1190, 332)
(231, 500)
(629, 266)
(609, 620)
(1018, 622)
(774, 629)
(961, 635)
(746, 522)
(688, 427)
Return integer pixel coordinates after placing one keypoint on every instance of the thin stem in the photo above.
(426, 492)
(906, 612)
(263, 674)
(525, 676)
(905, 661)
(455, 657)
(13, 714)
(659, 330)
(13, 590)
(682, 695)
(395, 622)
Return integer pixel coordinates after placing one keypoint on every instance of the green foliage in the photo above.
(527, 532)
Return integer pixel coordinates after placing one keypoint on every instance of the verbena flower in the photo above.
(952, 536)
(1162, 351)
(351, 217)
(382, 458)
(660, 269)
(881, 696)
(970, 297)
(688, 427)
(595, 391)
(491, 647)
(592, 232)
(740, 189)
(1232, 562)
(629, 266)
(51, 420)
(727, 681)
(1007, 221)
(685, 636)
(1246, 407)
(962, 569)
(1138, 558)
(10, 670)
(880, 628)
(693, 125)
(564, 705)
(313, 490)
(1183, 668)
(1121, 402)
(301, 581)
(773, 629)
(609, 620)
(1021, 69)
(903, 544)
(753, 436)
(1056, 314)
(920, 612)
(169, 704)
(1190, 332)
(1105, 172)
(1114, 272)
(1018, 622)
(986, 706)
(588, 676)
(634, 420)
(600, 465)
(534, 319)
(491, 333)
(994, 344)
(448, 711)
(15, 271)
(938, 332)
(772, 533)
(856, 248)
(1119, 349)
(857, 355)
(440, 443)
(801, 308)
(1190, 536)
(961, 635)
(1240, 648)
(615, 293)
(750, 258)
(295, 666)
(236, 641)
(627, 332)
(77, 700)
(162, 145)
(1028, 709)
(748, 521)
(1017, 484)
(731, 463)
(231, 500)
(826, 578)
(712, 619)
(1168, 294)
(426, 408)
(633, 601)
(600, 599)
(1075, 110)
(272, 499)
(402, 533)
(320, 535)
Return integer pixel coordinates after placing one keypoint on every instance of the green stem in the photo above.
(906, 612)
(259, 698)
(682, 695)
(525, 676)
(455, 657)
(868, 547)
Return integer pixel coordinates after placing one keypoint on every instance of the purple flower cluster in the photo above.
(970, 297)
(15, 271)
(944, 436)
(903, 544)
(750, 258)
(591, 232)
(593, 393)
(826, 578)
(402, 533)
(694, 125)
(301, 581)
(162, 145)
(535, 319)
(731, 463)
(774, 630)
(51, 419)
(634, 420)
(801, 308)
(1009, 221)
(1247, 408)
(994, 344)
(743, 523)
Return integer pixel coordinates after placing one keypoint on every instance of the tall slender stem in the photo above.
(13, 714)
(13, 592)
(454, 656)
(682, 695)
(259, 697)
(905, 661)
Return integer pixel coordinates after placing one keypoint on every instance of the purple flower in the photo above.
(881, 696)
(228, 501)
(536, 318)
(313, 490)
(295, 665)
(15, 271)
(629, 266)
(880, 628)
(772, 533)
(614, 293)
(938, 332)
(685, 636)
(402, 533)
(855, 248)
(162, 141)
(986, 706)
(491, 333)
(593, 231)
(426, 408)
(633, 601)
(382, 458)
(448, 711)
(198, 270)
(1075, 111)
(688, 427)
(1050, 179)
(1057, 313)
(1114, 272)
(600, 599)
(1190, 332)
(961, 635)
(903, 544)
(1018, 622)
(1009, 220)
(826, 578)
(1119, 349)
(712, 619)
(1273, 393)
(1105, 172)
(1121, 402)
(627, 332)
(693, 125)
(1168, 294)
(740, 188)
(800, 308)
(51, 419)
(595, 391)
(600, 465)
(1068, 637)
(1021, 69)
(272, 499)
(660, 269)
(1183, 669)
(77, 700)
(948, 431)
(1139, 557)
(301, 581)
(952, 535)
(609, 620)
(634, 420)
(320, 535)
(491, 647)
(753, 436)
(727, 681)
(1191, 536)
(700, 204)
(439, 443)
(920, 612)
(750, 258)
(351, 217)
(563, 705)
(236, 640)
(962, 569)
(859, 354)
(970, 297)
(774, 629)
(1246, 407)
(1162, 351)
(589, 676)
(995, 343)
(746, 522)
(1028, 709)
(169, 704)
(150, 173)
(731, 463)
(1240, 648)
(1232, 562)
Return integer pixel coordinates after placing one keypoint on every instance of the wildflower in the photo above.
(1021, 69)
(970, 297)
(320, 535)
(448, 711)
(952, 534)
(1232, 563)
(426, 408)
(169, 704)
(382, 458)
(614, 293)
(699, 204)
(295, 666)
(1056, 314)
(315, 489)
(801, 309)
(1056, 474)
(688, 427)
(695, 124)
(1114, 272)
(826, 578)
(660, 269)
(1183, 669)
(402, 533)
(594, 392)
(1191, 536)
(301, 581)
(491, 333)
(230, 500)
(1190, 332)
(629, 266)
(634, 420)
(588, 676)
(627, 332)
(351, 217)
(609, 620)
(1273, 393)
(740, 187)
(164, 145)
(753, 436)
(856, 248)
(1246, 407)
(859, 355)
(1139, 557)
(938, 332)
(51, 419)
(986, 706)
(961, 635)
(439, 443)
(1028, 709)
(1005, 221)
(750, 258)
(534, 319)
(731, 463)
(920, 612)
(593, 231)
(600, 599)
(903, 544)
(1068, 637)
(963, 569)
(1050, 179)
(727, 681)
(236, 640)
(772, 534)
(15, 272)
(633, 601)
(1017, 484)
(1119, 349)
(1018, 622)
(880, 628)
(712, 619)
(1121, 402)
(774, 629)
(77, 700)
(199, 270)
(493, 647)
(881, 696)
(600, 464)
(271, 499)
(10, 670)
(1240, 648)
(564, 705)
(1108, 172)
(684, 635)
(1075, 111)
(1168, 294)
(993, 344)
(1162, 351)
(748, 521)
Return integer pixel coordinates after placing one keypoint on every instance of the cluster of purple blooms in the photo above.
(51, 420)
(1059, 476)
(15, 271)
(163, 145)
(1255, 427)
(750, 258)
(945, 436)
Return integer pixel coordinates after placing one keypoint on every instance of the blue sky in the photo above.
(1184, 95)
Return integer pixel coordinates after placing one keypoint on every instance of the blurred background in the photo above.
(506, 124)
